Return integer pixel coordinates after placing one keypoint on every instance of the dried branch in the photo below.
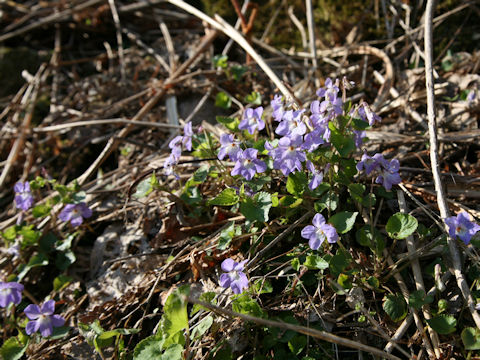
(435, 163)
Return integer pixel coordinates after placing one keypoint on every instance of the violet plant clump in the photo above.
(10, 292)
(234, 277)
(42, 318)
(462, 227)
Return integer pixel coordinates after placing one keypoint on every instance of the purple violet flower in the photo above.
(319, 136)
(229, 146)
(370, 163)
(186, 140)
(292, 124)
(330, 91)
(317, 176)
(277, 106)
(234, 277)
(471, 96)
(318, 232)
(359, 135)
(365, 112)
(461, 226)
(23, 196)
(75, 213)
(247, 164)
(252, 120)
(42, 318)
(288, 156)
(10, 292)
(389, 174)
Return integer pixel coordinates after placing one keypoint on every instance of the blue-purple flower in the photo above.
(234, 277)
(292, 124)
(10, 292)
(359, 135)
(288, 156)
(23, 196)
(365, 113)
(185, 140)
(277, 106)
(369, 163)
(389, 174)
(317, 177)
(75, 213)
(462, 227)
(252, 120)
(42, 318)
(319, 232)
(248, 165)
(229, 146)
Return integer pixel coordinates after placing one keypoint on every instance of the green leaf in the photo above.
(359, 124)
(60, 332)
(343, 221)
(345, 144)
(262, 286)
(339, 262)
(229, 123)
(61, 281)
(173, 352)
(238, 71)
(39, 259)
(356, 191)
(316, 262)
(30, 236)
(401, 226)
(10, 233)
(223, 100)
(395, 307)
(79, 197)
(64, 259)
(297, 344)
(201, 328)
(257, 209)
(41, 210)
(199, 176)
(175, 317)
(227, 197)
(244, 304)
(227, 235)
(327, 201)
(144, 188)
(149, 348)
(12, 349)
(374, 241)
(208, 297)
(220, 61)
(254, 98)
(297, 183)
(471, 338)
(418, 298)
(443, 324)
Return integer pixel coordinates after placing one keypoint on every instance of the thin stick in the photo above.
(229, 30)
(118, 27)
(432, 129)
(322, 335)
(103, 122)
(417, 275)
(311, 40)
(17, 146)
